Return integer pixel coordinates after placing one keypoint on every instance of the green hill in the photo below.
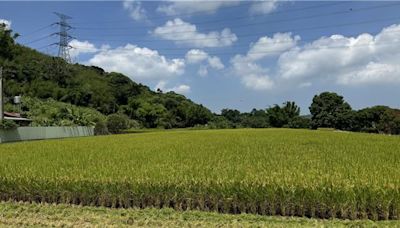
(34, 74)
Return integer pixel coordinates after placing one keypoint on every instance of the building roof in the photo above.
(17, 118)
(12, 114)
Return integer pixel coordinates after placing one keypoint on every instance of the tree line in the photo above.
(328, 110)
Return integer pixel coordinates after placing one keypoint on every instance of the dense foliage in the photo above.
(265, 171)
(287, 115)
(33, 74)
(116, 123)
(330, 110)
(7, 125)
(7, 44)
(53, 113)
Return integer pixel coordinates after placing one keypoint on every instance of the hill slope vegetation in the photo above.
(34, 74)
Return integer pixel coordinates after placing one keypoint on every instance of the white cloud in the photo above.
(203, 71)
(182, 89)
(215, 63)
(6, 22)
(196, 56)
(263, 7)
(364, 59)
(136, 11)
(347, 61)
(372, 73)
(188, 7)
(252, 74)
(138, 63)
(258, 82)
(272, 46)
(81, 47)
(182, 32)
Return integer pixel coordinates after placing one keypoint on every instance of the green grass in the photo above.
(18, 214)
(270, 172)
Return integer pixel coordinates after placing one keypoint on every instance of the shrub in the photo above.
(101, 128)
(220, 122)
(134, 124)
(299, 122)
(8, 125)
(117, 122)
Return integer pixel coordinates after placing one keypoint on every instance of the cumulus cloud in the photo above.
(81, 47)
(196, 56)
(253, 75)
(135, 9)
(6, 22)
(272, 46)
(182, 32)
(203, 71)
(263, 7)
(347, 61)
(182, 89)
(138, 63)
(187, 7)
(364, 59)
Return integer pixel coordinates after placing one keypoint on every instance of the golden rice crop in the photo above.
(268, 171)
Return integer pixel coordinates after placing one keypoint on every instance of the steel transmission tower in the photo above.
(65, 38)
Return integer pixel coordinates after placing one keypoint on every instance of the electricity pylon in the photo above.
(65, 38)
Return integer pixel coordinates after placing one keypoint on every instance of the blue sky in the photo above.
(229, 54)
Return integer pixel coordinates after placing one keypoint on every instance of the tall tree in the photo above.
(290, 109)
(6, 43)
(281, 116)
(232, 115)
(330, 110)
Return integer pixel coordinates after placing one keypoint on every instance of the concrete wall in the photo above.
(34, 133)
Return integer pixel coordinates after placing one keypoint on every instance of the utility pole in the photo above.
(1, 95)
(65, 38)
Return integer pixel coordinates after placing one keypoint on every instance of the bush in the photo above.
(134, 124)
(101, 128)
(8, 125)
(220, 122)
(117, 123)
(299, 122)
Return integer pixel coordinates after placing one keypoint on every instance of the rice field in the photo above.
(319, 174)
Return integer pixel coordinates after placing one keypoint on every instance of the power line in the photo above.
(36, 31)
(198, 23)
(182, 14)
(308, 48)
(259, 23)
(244, 35)
(262, 33)
(263, 22)
(39, 39)
(246, 45)
(221, 20)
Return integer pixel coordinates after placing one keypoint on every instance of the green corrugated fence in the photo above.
(35, 133)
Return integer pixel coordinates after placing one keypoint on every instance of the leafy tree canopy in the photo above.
(329, 110)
